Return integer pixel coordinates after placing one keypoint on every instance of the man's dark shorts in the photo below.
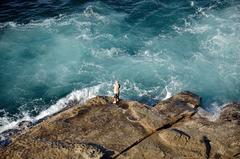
(116, 96)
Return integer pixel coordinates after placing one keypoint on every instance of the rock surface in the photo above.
(130, 130)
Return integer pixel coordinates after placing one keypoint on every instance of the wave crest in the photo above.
(77, 96)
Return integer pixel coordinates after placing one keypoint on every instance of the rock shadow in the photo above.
(107, 154)
(208, 147)
(182, 133)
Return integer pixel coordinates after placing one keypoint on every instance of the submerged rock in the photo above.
(4, 142)
(99, 129)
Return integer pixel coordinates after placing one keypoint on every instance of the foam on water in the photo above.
(168, 94)
(77, 97)
(212, 112)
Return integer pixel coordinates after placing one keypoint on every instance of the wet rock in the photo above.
(5, 137)
(10, 132)
(24, 125)
(4, 142)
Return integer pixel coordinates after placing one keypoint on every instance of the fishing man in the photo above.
(116, 91)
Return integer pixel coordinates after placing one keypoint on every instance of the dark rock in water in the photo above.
(131, 130)
(21, 127)
(4, 142)
(24, 125)
(9, 133)
(5, 137)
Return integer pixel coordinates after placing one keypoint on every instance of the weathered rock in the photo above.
(99, 129)
(183, 103)
(179, 137)
(231, 113)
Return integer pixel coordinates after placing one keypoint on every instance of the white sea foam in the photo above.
(132, 87)
(79, 20)
(11, 24)
(108, 53)
(168, 94)
(77, 96)
(192, 4)
(8, 123)
(212, 112)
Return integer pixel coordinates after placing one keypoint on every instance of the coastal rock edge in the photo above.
(130, 130)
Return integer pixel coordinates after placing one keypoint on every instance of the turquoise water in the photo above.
(154, 48)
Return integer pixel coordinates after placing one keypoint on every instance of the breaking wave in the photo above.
(76, 97)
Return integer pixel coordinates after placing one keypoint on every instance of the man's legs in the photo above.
(118, 97)
(115, 99)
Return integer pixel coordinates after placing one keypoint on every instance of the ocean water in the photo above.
(53, 53)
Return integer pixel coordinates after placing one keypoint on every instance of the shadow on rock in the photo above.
(206, 141)
(107, 154)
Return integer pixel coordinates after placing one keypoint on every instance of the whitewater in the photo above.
(155, 49)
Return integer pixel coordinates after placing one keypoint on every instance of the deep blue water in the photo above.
(54, 52)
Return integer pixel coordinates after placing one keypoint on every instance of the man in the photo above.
(116, 91)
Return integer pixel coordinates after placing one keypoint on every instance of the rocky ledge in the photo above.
(173, 128)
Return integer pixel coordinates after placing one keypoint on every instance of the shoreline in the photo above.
(76, 98)
(165, 118)
(21, 125)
